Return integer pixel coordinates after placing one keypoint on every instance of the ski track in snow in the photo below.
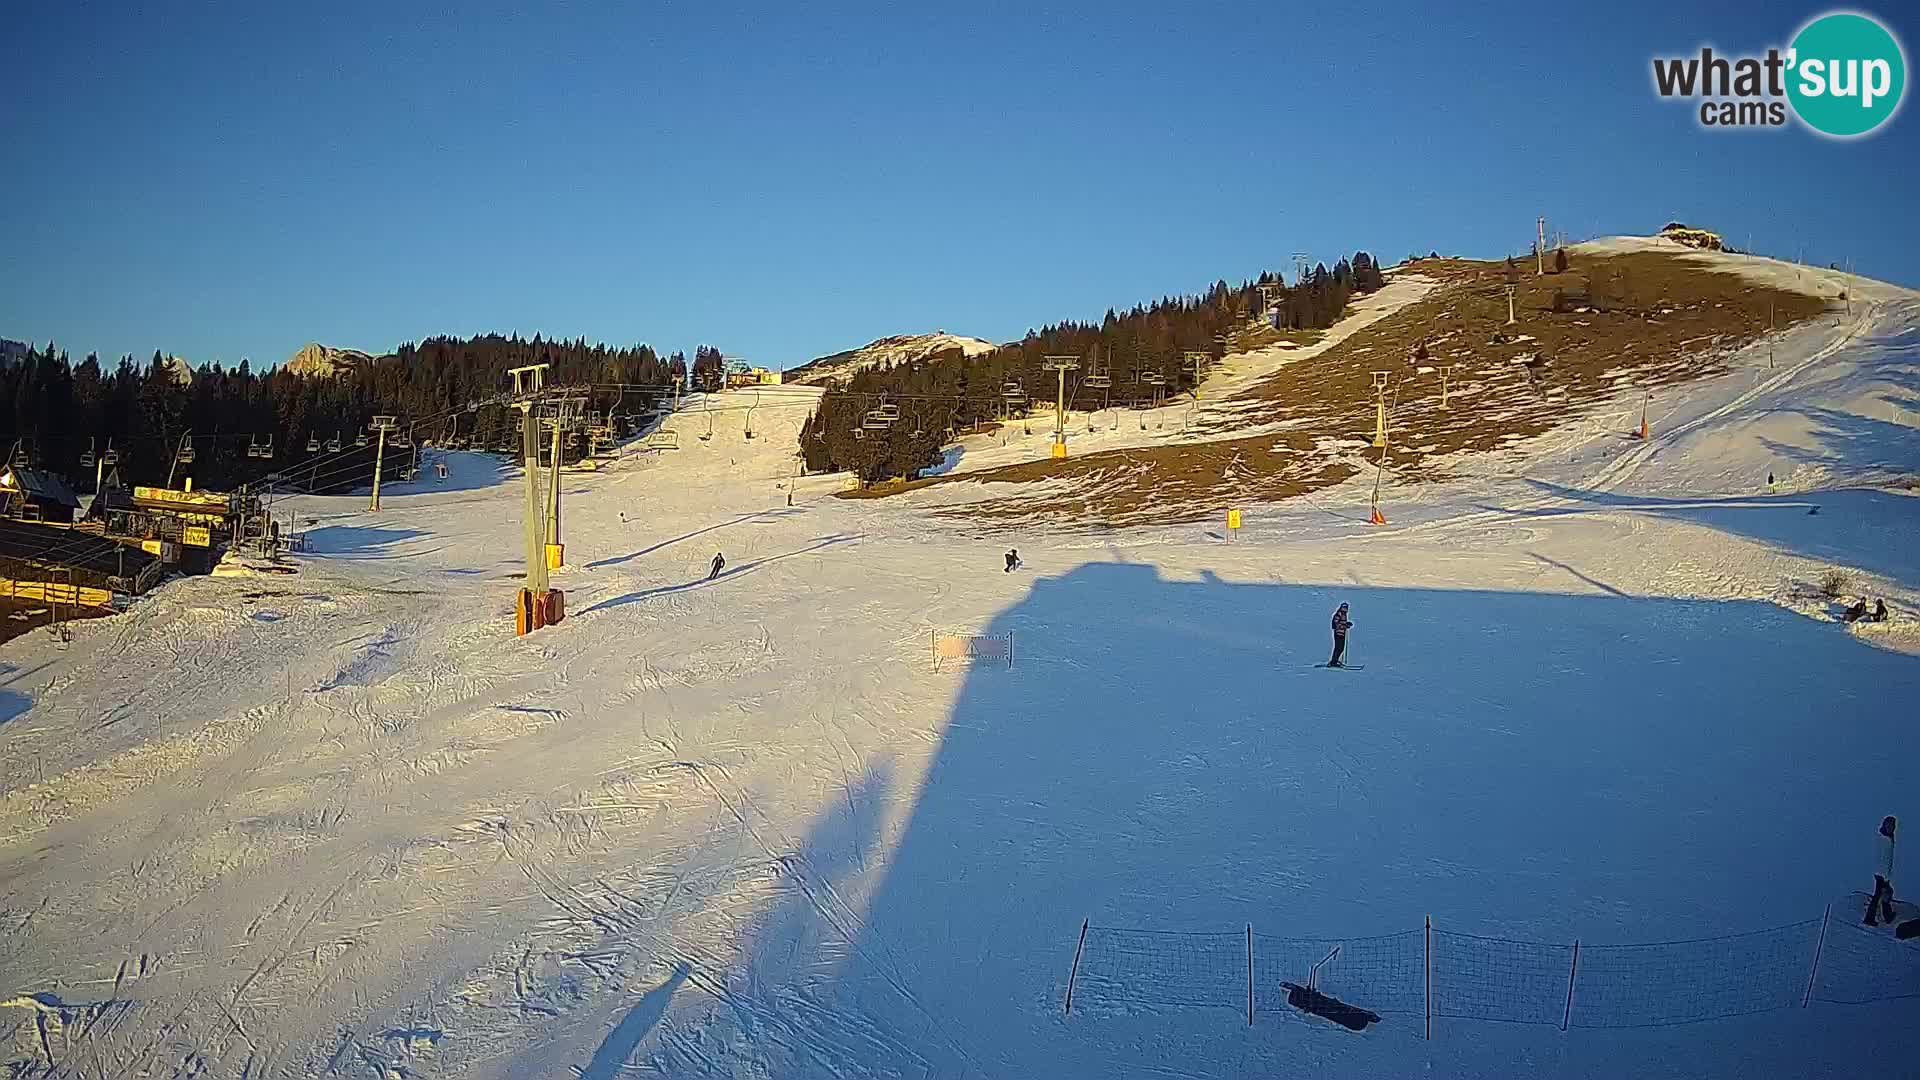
(344, 823)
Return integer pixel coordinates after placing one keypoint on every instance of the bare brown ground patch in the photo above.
(1147, 485)
(1645, 321)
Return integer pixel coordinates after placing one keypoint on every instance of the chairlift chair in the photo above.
(110, 456)
(333, 444)
(313, 444)
(361, 439)
(87, 459)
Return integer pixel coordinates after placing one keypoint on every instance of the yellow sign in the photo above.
(151, 547)
(1233, 519)
(196, 536)
(210, 499)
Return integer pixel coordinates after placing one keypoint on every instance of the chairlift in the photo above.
(185, 455)
(313, 444)
(403, 441)
(333, 444)
(876, 421)
(110, 456)
(1099, 380)
(87, 459)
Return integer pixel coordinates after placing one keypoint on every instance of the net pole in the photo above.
(1429, 995)
(1818, 944)
(1573, 970)
(1075, 973)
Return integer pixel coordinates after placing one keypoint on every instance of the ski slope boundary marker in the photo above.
(969, 647)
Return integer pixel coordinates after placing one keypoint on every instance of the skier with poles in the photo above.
(1341, 624)
(1013, 560)
(719, 564)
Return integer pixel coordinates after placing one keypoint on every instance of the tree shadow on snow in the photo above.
(758, 515)
(624, 1039)
(730, 573)
(360, 541)
(1864, 527)
(776, 1006)
(1165, 755)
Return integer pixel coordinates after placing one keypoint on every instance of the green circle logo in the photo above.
(1848, 74)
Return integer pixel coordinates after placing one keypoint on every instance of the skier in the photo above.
(1855, 613)
(1879, 611)
(719, 564)
(1341, 624)
(1880, 905)
(1013, 560)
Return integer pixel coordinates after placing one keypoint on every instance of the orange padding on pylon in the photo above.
(1377, 518)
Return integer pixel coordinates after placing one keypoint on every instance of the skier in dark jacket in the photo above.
(719, 564)
(1013, 560)
(1880, 904)
(1341, 624)
(1879, 612)
(1855, 613)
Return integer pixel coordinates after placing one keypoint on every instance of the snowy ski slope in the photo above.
(342, 822)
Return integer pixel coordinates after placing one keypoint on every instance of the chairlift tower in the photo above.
(528, 384)
(1380, 409)
(380, 426)
(183, 455)
(1060, 364)
(1446, 375)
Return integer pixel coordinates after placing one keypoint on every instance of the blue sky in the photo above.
(233, 181)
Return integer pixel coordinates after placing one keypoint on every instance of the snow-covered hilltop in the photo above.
(897, 349)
